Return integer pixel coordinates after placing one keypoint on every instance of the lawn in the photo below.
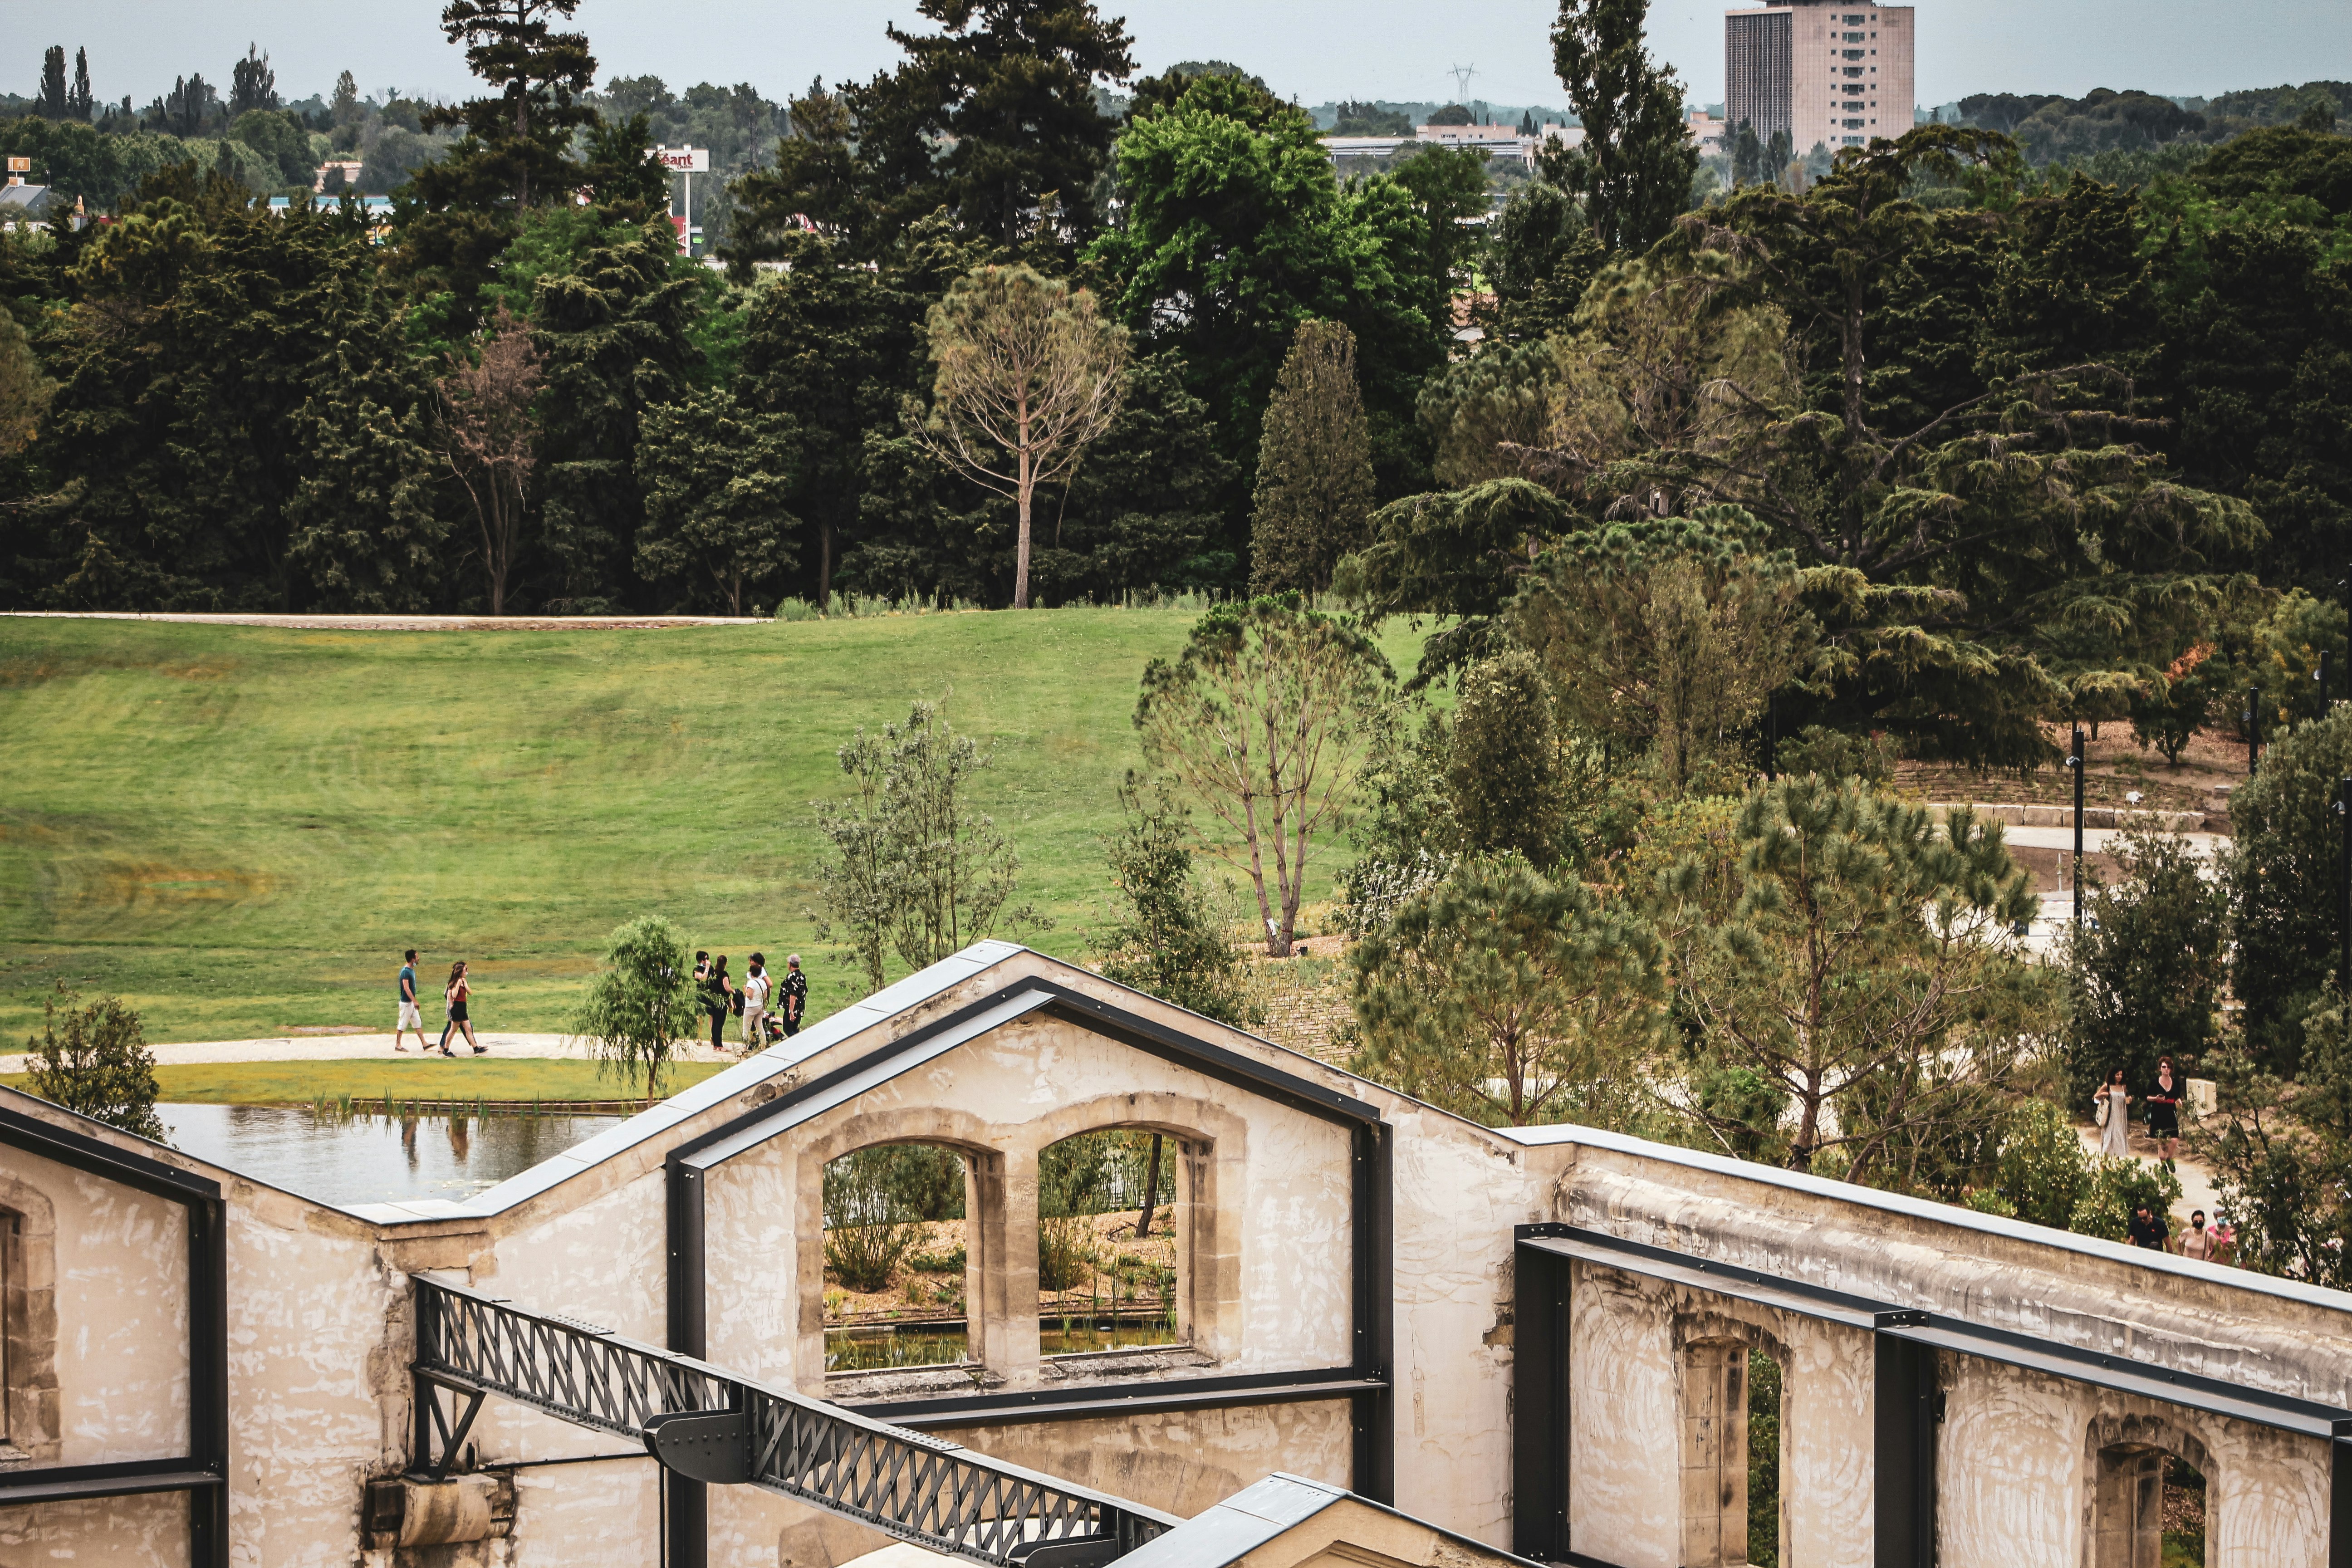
(239, 829)
(402, 1077)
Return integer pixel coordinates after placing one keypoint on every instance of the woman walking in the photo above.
(2115, 1116)
(719, 993)
(456, 995)
(2164, 1112)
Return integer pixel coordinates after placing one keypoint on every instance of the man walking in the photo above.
(756, 985)
(796, 994)
(411, 1016)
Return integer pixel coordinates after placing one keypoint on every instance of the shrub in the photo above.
(867, 1230)
(98, 1067)
(2117, 1186)
(2043, 1170)
(951, 1261)
(796, 610)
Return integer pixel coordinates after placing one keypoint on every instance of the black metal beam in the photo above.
(1906, 1409)
(1373, 1237)
(1540, 1405)
(687, 1518)
(2339, 1505)
(203, 1471)
(1094, 1401)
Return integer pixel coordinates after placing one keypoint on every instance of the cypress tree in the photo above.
(1313, 466)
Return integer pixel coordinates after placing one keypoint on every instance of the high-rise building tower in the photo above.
(1836, 72)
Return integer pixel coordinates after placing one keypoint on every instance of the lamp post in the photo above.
(2074, 759)
(2252, 719)
(2320, 675)
(2343, 810)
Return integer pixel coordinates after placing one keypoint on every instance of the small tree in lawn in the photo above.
(1170, 941)
(2147, 968)
(1029, 375)
(1266, 717)
(1508, 998)
(1314, 500)
(488, 439)
(641, 1001)
(94, 1060)
(715, 475)
(915, 867)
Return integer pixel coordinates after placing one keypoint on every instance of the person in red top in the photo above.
(2164, 1112)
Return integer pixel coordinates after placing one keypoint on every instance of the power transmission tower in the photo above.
(1462, 75)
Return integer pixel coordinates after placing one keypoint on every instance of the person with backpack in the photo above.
(719, 997)
(756, 986)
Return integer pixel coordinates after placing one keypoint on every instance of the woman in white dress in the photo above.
(2114, 1128)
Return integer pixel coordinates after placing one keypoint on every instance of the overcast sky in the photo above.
(1315, 50)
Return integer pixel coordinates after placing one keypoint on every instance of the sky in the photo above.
(1313, 50)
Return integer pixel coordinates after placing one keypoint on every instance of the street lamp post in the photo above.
(2343, 809)
(2075, 759)
(2252, 718)
(2320, 675)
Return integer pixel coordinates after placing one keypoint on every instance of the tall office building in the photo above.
(1825, 71)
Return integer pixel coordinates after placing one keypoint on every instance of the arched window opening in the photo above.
(1714, 1456)
(895, 1258)
(1110, 1243)
(2151, 1510)
(1763, 1461)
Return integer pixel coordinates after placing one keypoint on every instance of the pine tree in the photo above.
(716, 476)
(1635, 167)
(345, 104)
(516, 141)
(51, 103)
(1313, 466)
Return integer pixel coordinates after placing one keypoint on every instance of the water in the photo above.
(372, 1159)
(878, 1349)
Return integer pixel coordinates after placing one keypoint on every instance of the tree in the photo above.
(1168, 941)
(1314, 465)
(1028, 377)
(99, 1065)
(2281, 865)
(2279, 1145)
(25, 392)
(1541, 255)
(641, 1001)
(1460, 554)
(1265, 718)
(2146, 970)
(49, 103)
(1668, 636)
(1504, 770)
(344, 105)
(995, 117)
(78, 101)
(1633, 171)
(2170, 708)
(1508, 998)
(716, 476)
(489, 439)
(1866, 972)
(817, 182)
(917, 866)
(519, 137)
(252, 84)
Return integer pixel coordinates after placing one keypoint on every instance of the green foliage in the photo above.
(2284, 661)
(280, 138)
(1837, 756)
(97, 1065)
(916, 868)
(2170, 708)
(715, 477)
(2043, 1170)
(1764, 1380)
(518, 137)
(1633, 171)
(1541, 255)
(2281, 1151)
(2281, 868)
(640, 1002)
(1458, 555)
(2117, 1186)
(1509, 998)
(1504, 773)
(1171, 941)
(2146, 969)
(1314, 465)
(869, 1225)
(1370, 120)
(1866, 966)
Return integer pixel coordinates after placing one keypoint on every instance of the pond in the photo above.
(371, 1158)
(879, 1347)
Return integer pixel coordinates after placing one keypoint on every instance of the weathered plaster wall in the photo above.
(134, 1532)
(1180, 1462)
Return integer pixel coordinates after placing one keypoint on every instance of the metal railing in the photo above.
(920, 1489)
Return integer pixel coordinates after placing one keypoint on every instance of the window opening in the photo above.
(1107, 1243)
(2151, 1511)
(1763, 1461)
(2184, 1514)
(895, 1259)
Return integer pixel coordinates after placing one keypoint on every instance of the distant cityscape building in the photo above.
(1826, 72)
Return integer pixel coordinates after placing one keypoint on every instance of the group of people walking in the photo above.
(2112, 1111)
(770, 1006)
(454, 1010)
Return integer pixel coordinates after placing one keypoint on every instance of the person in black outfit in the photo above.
(718, 997)
(795, 994)
(2148, 1230)
(2164, 1112)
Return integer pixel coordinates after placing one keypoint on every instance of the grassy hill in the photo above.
(239, 829)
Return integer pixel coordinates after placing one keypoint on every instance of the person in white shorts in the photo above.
(411, 1017)
(756, 984)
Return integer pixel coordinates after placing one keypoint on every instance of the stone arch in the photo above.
(987, 1260)
(2126, 1458)
(29, 1408)
(1711, 1372)
(1211, 1146)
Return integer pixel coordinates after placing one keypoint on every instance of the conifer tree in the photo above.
(77, 97)
(516, 141)
(1633, 171)
(1313, 466)
(50, 103)
(251, 83)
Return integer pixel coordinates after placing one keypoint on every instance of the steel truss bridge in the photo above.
(712, 1425)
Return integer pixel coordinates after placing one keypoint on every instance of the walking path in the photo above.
(346, 1048)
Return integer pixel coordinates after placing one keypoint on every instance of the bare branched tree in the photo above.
(488, 437)
(1029, 377)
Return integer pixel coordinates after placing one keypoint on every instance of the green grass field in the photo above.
(236, 829)
(402, 1077)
